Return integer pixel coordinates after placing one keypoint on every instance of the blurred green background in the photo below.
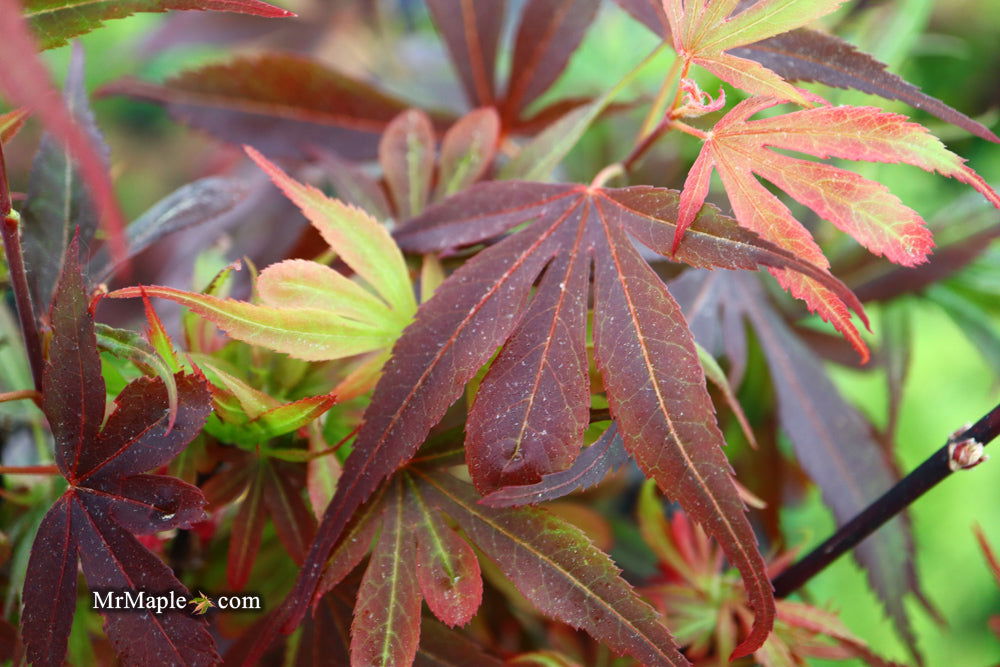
(950, 48)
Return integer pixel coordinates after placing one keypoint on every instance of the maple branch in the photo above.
(29, 470)
(11, 231)
(962, 451)
(20, 395)
(659, 106)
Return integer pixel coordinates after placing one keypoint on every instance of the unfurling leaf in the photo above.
(738, 149)
(109, 498)
(11, 123)
(703, 31)
(406, 153)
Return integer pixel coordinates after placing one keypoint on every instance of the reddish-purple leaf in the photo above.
(533, 405)
(54, 24)
(114, 561)
(30, 86)
(73, 392)
(447, 570)
(406, 153)
(58, 202)
(471, 31)
(386, 626)
(292, 520)
(50, 600)
(248, 524)
(279, 103)
(547, 35)
(145, 504)
(589, 469)
(559, 570)
(478, 307)
(657, 394)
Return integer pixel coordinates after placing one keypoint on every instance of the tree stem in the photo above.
(926, 476)
(11, 231)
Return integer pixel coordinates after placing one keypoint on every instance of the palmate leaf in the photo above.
(109, 499)
(55, 22)
(737, 148)
(702, 32)
(811, 55)
(309, 310)
(480, 307)
(831, 439)
(278, 102)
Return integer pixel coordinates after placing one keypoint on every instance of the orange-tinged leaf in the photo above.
(703, 30)
(11, 122)
(354, 235)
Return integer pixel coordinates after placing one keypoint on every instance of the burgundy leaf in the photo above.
(657, 394)
(145, 504)
(50, 600)
(58, 202)
(73, 394)
(135, 438)
(471, 31)
(292, 520)
(279, 103)
(587, 470)
(406, 153)
(537, 391)
(114, 561)
(548, 34)
(107, 498)
(480, 305)
(386, 626)
(559, 570)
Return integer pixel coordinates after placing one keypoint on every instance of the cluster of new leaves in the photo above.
(109, 499)
(695, 593)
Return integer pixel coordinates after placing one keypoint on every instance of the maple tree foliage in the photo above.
(109, 498)
(434, 391)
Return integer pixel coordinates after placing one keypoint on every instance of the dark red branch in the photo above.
(11, 231)
(895, 500)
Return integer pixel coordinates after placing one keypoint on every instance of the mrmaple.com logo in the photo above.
(130, 600)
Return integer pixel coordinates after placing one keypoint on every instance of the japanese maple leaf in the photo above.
(109, 499)
(533, 405)
(704, 30)
(738, 148)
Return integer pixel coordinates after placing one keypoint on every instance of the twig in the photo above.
(963, 450)
(11, 231)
